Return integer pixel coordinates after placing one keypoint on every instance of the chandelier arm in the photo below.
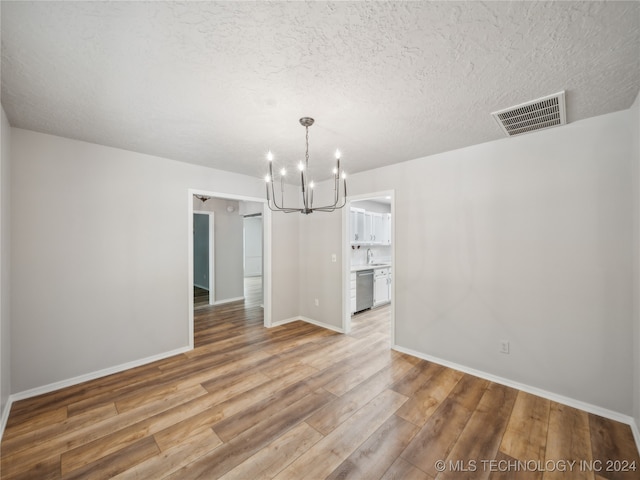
(331, 208)
(273, 194)
(324, 209)
(336, 205)
(284, 210)
(272, 198)
(278, 208)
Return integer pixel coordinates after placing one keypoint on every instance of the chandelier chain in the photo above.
(306, 156)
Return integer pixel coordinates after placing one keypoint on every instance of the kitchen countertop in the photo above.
(357, 268)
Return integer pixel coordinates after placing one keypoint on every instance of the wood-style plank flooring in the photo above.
(200, 297)
(301, 402)
(252, 293)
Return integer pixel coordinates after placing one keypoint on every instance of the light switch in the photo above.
(334, 258)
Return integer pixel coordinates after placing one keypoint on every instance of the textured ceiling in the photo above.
(220, 83)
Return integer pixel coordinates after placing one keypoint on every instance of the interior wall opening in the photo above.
(369, 258)
(228, 249)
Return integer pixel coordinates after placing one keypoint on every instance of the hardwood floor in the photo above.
(252, 293)
(200, 297)
(301, 402)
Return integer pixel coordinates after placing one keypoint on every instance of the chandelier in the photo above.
(306, 186)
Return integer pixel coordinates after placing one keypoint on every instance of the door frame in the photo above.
(266, 252)
(212, 258)
(346, 259)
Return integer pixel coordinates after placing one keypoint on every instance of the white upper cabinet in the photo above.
(357, 234)
(377, 232)
(386, 229)
(369, 228)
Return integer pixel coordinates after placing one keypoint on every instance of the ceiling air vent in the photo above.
(545, 112)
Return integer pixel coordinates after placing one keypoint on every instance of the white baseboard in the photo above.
(227, 300)
(307, 320)
(33, 392)
(636, 433)
(572, 402)
(321, 324)
(93, 375)
(284, 322)
(5, 416)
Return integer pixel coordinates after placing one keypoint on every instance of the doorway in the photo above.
(369, 248)
(203, 259)
(253, 258)
(226, 251)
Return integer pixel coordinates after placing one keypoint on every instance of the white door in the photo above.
(253, 246)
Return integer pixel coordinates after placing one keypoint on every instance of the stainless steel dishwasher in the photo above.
(364, 290)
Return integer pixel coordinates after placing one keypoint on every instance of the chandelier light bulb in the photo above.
(270, 156)
(267, 178)
(337, 154)
(301, 167)
(283, 171)
(344, 175)
(335, 170)
(311, 185)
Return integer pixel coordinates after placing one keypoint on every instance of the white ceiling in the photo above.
(219, 83)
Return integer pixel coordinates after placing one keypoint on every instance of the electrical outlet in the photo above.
(317, 302)
(504, 346)
(334, 258)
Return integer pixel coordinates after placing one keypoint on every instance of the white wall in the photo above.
(5, 255)
(99, 258)
(634, 123)
(320, 278)
(285, 266)
(526, 239)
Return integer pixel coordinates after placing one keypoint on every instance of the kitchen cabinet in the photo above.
(386, 229)
(377, 229)
(373, 228)
(369, 228)
(352, 290)
(381, 286)
(357, 217)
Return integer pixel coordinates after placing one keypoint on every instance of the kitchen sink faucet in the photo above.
(369, 256)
